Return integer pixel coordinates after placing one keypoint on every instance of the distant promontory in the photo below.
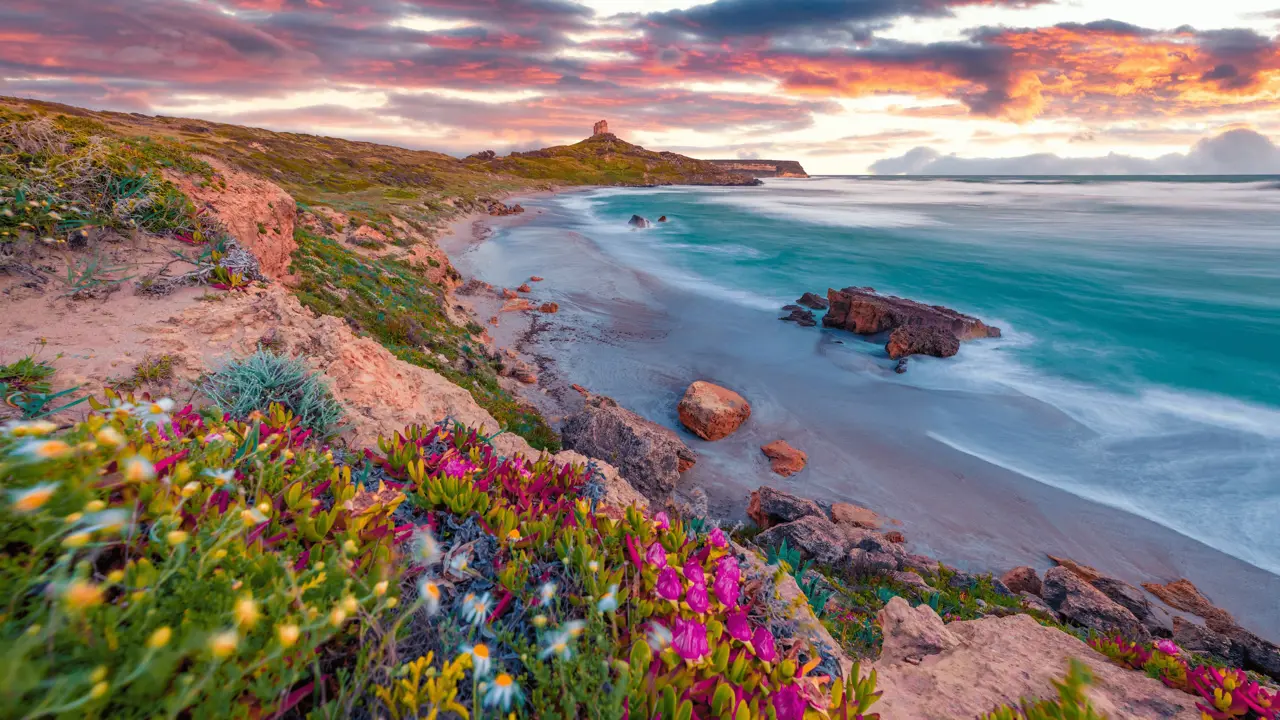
(763, 168)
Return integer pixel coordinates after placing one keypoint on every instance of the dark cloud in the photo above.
(1235, 152)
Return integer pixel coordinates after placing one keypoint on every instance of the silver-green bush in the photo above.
(253, 383)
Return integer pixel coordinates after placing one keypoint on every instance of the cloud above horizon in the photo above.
(1234, 152)
(467, 74)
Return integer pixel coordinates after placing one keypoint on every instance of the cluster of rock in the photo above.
(500, 209)
(1081, 595)
(639, 221)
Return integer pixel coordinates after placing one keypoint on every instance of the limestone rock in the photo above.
(712, 412)
(922, 340)
(524, 288)
(1183, 595)
(844, 513)
(1085, 605)
(1022, 579)
(1199, 639)
(1035, 602)
(1084, 572)
(770, 506)
(815, 536)
(912, 632)
(813, 300)
(785, 459)
(863, 311)
(648, 455)
(1155, 619)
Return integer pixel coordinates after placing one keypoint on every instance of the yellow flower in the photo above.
(219, 554)
(514, 535)
(99, 674)
(75, 540)
(81, 595)
(87, 446)
(539, 621)
(288, 634)
(380, 589)
(45, 449)
(349, 547)
(99, 690)
(224, 643)
(115, 576)
(110, 437)
(160, 638)
(190, 489)
(264, 507)
(246, 612)
(337, 617)
(73, 518)
(33, 498)
(138, 469)
(177, 537)
(94, 506)
(350, 605)
(392, 602)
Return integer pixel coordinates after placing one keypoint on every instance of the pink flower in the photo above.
(693, 571)
(632, 552)
(697, 598)
(717, 539)
(737, 626)
(1168, 647)
(728, 566)
(457, 467)
(669, 585)
(762, 641)
(726, 587)
(788, 704)
(656, 555)
(690, 639)
(662, 521)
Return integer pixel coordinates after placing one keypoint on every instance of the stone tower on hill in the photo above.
(601, 128)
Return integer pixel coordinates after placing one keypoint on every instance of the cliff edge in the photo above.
(763, 168)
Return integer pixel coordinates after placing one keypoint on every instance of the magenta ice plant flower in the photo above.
(788, 703)
(1168, 647)
(726, 587)
(737, 626)
(457, 467)
(693, 571)
(669, 585)
(762, 641)
(656, 555)
(716, 538)
(690, 639)
(662, 521)
(697, 598)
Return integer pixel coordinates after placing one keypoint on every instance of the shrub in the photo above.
(252, 384)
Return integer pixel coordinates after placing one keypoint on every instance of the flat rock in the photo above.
(863, 311)
(912, 633)
(769, 506)
(922, 340)
(1184, 595)
(814, 536)
(801, 317)
(712, 412)
(549, 308)
(785, 459)
(844, 513)
(648, 455)
(1085, 605)
(813, 300)
(1084, 572)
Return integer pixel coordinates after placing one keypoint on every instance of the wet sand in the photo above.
(627, 334)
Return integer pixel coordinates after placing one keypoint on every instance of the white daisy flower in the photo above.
(503, 692)
(658, 637)
(609, 601)
(481, 662)
(475, 609)
(547, 592)
(429, 591)
(37, 428)
(558, 644)
(40, 450)
(156, 412)
(425, 548)
(226, 476)
(33, 498)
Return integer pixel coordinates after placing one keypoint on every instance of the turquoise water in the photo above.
(1139, 371)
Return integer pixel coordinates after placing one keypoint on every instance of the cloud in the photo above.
(1234, 152)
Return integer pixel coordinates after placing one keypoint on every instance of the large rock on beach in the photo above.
(769, 507)
(844, 513)
(1023, 579)
(712, 412)
(1153, 618)
(650, 456)
(813, 300)
(785, 459)
(929, 329)
(1085, 605)
(814, 536)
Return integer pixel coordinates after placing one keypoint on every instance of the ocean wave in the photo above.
(825, 211)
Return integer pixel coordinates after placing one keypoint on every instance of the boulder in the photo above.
(816, 538)
(1085, 605)
(638, 222)
(1199, 639)
(509, 294)
(844, 513)
(784, 459)
(978, 665)
(922, 340)
(769, 507)
(791, 308)
(896, 537)
(662, 219)
(1035, 602)
(911, 579)
(901, 367)
(1022, 580)
(524, 288)
(1156, 620)
(517, 305)
(549, 307)
(865, 563)
(1258, 655)
(863, 311)
(535, 278)
(801, 317)
(648, 455)
(813, 300)
(712, 412)
(1183, 595)
(1084, 572)
(912, 633)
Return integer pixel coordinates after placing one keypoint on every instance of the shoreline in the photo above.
(959, 508)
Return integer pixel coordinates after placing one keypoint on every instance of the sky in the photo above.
(843, 86)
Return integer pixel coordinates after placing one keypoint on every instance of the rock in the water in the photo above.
(638, 222)
(1156, 620)
(933, 327)
(509, 294)
(1083, 604)
(769, 506)
(813, 535)
(712, 412)
(1022, 579)
(785, 459)
(549, 307)
(912, 633)
(896, 537)
(535, 278)
(524, 288)
(647, 454)
(845, 513)
(901, 367)
(922, 340)
(813, 300)
(791, 308)
(801, 317)
(662, 219)
(999, 660)
(517, 305)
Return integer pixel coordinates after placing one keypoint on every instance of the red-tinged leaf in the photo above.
(303, 560)
(501, 607)
(292, 699)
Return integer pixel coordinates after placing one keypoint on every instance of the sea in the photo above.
(1139, 368)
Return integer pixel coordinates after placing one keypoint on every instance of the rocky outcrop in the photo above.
(1153, 618)
(500, 209)
(763, 168)
(973, 666)
(638, 222)
(1255, 653)
(1084, 572)
(712, 412)
(650, 456)
(769, 507)
(801, 317)
(256, 212)
(549, 308)
(1022, 579)
(930, 329)
(1183, 595)
(1199, 639)
(524, 288)
(814, 301)
(814, 536)
(784, 459)
(853, 515)
(662, 219)
(1085, 605)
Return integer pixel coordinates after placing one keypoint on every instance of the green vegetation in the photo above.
(242, 387)
(393, 302)
(1071, 703)
(151, 369)
(25, 386)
